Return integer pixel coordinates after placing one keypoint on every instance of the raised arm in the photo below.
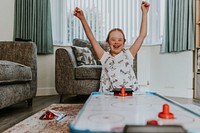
(143, 30)
(97, 48)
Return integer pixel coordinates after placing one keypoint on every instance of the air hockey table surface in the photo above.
(105, 112)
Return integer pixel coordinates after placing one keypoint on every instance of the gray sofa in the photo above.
(18, 72)
(71, 78)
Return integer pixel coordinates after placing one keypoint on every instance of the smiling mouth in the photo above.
(115, 46)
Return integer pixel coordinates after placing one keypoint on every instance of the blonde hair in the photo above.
(115, 29)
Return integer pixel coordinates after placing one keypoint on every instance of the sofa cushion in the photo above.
(11, 72)
(83, 56)
(88, 72)
(86, 43)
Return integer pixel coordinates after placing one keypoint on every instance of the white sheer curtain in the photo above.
(102, 16)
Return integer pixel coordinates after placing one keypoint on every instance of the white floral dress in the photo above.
(117, 71)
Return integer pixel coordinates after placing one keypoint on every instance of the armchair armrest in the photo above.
(24, 53)
(64, 70)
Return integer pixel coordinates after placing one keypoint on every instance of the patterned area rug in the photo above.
(33, 124)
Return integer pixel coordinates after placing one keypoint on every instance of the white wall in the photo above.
(6, 19)
(168, 74)
(46, 75)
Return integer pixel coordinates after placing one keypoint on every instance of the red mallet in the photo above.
(49, 115)
(123, 92)
(165, 114)
(152, 122)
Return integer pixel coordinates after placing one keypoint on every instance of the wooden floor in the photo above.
(14, 114)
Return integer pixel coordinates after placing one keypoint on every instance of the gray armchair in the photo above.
(74, 79)
(18, 72)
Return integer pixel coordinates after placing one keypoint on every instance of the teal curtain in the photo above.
(33, 21)
(179, 26)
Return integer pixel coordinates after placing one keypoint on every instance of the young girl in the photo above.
(117, 64)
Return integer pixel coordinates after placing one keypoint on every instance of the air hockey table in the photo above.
(106, 112)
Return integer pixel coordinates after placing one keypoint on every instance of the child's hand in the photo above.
(78, 13)
(145, 6)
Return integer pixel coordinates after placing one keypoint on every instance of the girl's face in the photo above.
(116, 42)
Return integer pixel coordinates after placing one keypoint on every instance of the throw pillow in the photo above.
(85, 43)
(83, 56)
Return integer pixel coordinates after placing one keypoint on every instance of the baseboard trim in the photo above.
(45, 91)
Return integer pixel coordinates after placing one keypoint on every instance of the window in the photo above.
(102, 16)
